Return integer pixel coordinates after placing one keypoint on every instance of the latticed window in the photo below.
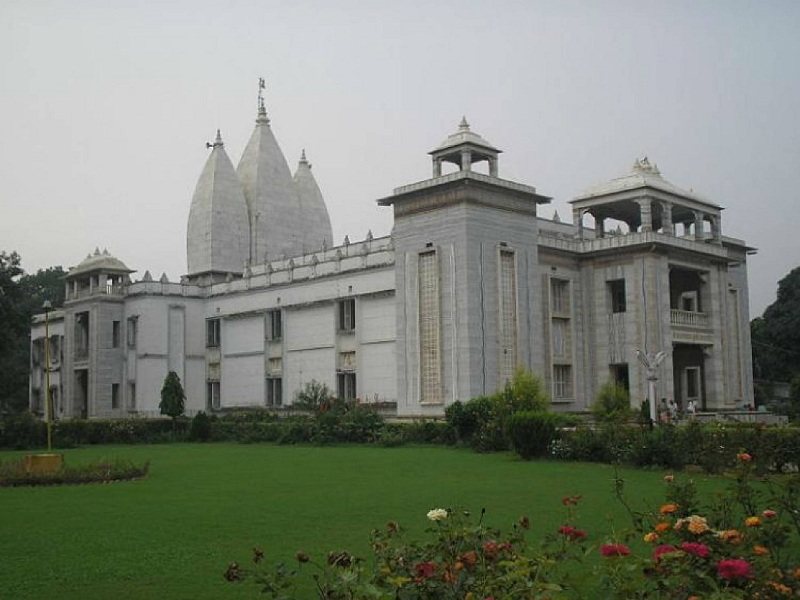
(212, 333)
(347, 314)
(274, 325)
(562, 381)
(429, 328)
(346, 385)
(508, 315)
(560, 334)
(274, 391)
(559, 296)
(212, 395)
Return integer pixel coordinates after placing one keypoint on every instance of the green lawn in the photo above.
(172, 534)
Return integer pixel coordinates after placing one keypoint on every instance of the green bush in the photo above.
(613, 404)
(21, 431)
(200, 430)
(532, 433)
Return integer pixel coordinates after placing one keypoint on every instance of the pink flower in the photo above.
(609, 550)
(425, 570)
(734, 568)
(769, 514)
(695, 549)
(571, 533)
(663, 549)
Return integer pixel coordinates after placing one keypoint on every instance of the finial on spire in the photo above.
(303, 159)
(463, 126)
(217, 141)
(262, 111)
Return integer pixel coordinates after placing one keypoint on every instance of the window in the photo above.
(274, 391)
(346, 385)
(562, 381)
(347, 314)
(561, 338)
(274, 325)
(131, 396)
(429, 350)
(115, 395)
(115, 334)
(508, 315)
(616, 291)
(559, 296)
(212, 395)
(689, 302)
(133, 323)
(620, 375)
(212, 333)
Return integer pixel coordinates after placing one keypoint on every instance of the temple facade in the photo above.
(471, 284)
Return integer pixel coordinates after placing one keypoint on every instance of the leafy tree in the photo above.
(613, 404)
(526, 392)
(776, 334)
(172, 396)
(315, 397)
(14, 336)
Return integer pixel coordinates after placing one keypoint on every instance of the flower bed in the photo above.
(15, 473)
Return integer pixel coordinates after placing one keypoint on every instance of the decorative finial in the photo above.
(217, 141)
(97, 250)
(556, 218)
(262, 111)
(463, 126)
(369, 235)
(347, 240)
(643, 165)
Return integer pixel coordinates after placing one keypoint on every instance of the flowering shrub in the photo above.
(741, 546)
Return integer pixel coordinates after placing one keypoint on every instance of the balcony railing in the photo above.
(686, 318)
(109, 290)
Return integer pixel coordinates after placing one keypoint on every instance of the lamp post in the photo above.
(651, 363)
(47, 399)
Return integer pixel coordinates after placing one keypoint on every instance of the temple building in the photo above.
(471, 284)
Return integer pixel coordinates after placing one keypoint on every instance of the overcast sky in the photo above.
(107, 107)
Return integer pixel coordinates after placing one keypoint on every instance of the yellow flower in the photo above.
(759, 550)
(752, 521)
(662, 527)
(650, 537)
(780, 588)
(667, 509)
(697, 524)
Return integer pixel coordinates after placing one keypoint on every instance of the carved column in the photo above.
(466, 160)
(646, 213)
(437, 167)
(716, 228)
(666, 218)
(599, 224)
(577, 220)
(698, 225)
(493, 167)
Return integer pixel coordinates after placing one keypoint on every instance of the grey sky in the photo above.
(107, 107)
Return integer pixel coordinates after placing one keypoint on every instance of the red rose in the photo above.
(695, 549)
(571, 533)
(425, 570)
(614, 550)
(734, 568)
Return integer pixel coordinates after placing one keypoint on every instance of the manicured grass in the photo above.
(172, 534)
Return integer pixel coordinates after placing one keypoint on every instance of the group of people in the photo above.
(669, 411)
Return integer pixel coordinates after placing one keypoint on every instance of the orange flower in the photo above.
(667, 509)
(752, 521)
(697, 524)
(730, 535)
(650, 537)
(759, 550)
(662, 527)
(780, 588)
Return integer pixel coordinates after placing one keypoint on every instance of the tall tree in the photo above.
(21, 296)
(172, 396)
(776, 334)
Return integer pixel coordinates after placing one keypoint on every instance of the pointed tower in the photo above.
(276, 222)
(317, 232)
(218, 233)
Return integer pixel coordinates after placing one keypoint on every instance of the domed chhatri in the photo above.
(464, 148)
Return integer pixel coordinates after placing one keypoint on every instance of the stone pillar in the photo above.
(577, 220)
(437, 167)
(716, 228)
(646, 213)
(599, 225)
(466, 160)
(666, 218)
(493, 167)
(698, 225)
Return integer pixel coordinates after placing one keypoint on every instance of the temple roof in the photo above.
(463, 136)
(272, 199)
(644, 174)
(218, 232)
(99, 261)
(317, 232)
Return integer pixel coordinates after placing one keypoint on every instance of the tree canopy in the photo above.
(776, 334)
(172, 396)
(21, 297)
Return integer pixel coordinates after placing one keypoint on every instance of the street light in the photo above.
(47, 399)
(651, 363)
